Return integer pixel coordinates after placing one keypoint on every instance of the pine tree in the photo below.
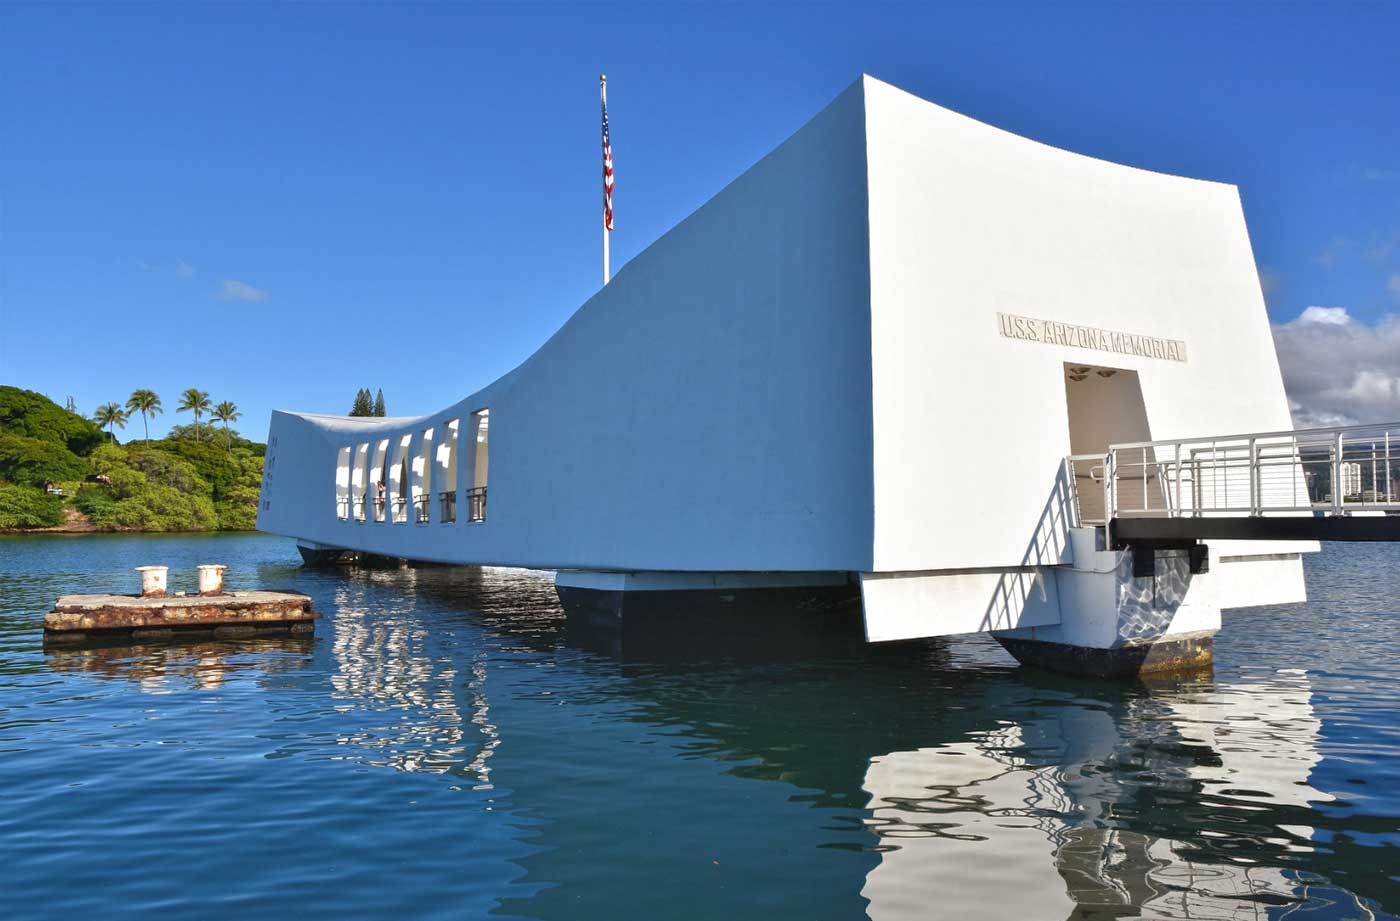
(362, 405)
(378, 402)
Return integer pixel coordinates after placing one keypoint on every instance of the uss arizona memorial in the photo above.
(907, 358)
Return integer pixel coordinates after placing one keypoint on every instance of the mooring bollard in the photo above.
(153, 580)
(211, 578)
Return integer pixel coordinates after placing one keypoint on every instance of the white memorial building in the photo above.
(906, 359)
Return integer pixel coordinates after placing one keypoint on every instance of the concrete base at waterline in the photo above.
(733, 609)
(1181, 653)
(1117, 620)
(315, 556)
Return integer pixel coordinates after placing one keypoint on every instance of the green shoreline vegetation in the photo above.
(61, 471)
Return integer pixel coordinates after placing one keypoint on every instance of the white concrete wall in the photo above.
(903, 606)
(968, 220)
(707, 410)
(1249, 581)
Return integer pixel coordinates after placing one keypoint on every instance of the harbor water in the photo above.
(445, 747)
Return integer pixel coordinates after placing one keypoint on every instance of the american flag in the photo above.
(607, 169)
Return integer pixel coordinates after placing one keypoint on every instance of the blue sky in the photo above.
(282, 203)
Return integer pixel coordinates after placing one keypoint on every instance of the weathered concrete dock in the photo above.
(116, 618)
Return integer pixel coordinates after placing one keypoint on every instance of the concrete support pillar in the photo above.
(1115, 623)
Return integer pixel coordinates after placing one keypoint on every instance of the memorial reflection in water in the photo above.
(1055, 805)
(419, 700)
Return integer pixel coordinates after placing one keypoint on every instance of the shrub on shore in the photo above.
(33, 462)
(26, 507)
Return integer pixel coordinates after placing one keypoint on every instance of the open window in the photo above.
(398, 480)
(422, 483)
(359, 476)
(445, 471)
(481, 457)
(342, 484)
(379, 478)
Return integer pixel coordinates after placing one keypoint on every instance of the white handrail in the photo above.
(1254, 474)
(1286, 433)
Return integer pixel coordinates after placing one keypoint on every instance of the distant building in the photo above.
(1351, 479)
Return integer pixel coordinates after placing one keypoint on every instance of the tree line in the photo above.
(147, 403)
(58, 468)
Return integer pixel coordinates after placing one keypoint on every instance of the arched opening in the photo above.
(422, 483)
(342, 484)
(398, 481)
(379, 472)
(359, 477)
(476, 495)
(445, 472)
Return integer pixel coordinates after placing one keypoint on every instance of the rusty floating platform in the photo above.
(98, 619)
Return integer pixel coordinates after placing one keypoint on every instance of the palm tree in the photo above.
(147, 403)
(109, 415)
(226, 412)
(197, 402)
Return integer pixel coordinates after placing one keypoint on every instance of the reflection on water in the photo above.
(165, 667)
(1047, 796)
(389, 660)
(445, 746)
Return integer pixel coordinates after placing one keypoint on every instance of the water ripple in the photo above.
(445, 746)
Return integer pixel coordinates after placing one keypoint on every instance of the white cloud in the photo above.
(1331, 316)
(1338, 371)
(234, 290)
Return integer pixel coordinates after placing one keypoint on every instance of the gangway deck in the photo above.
(1339, 483)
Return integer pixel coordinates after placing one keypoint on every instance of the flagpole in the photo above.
(607, 274)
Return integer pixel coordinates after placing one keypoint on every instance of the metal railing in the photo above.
(342, 507)
(359, 505)
(420, 509)
(476, 504)
(399, 509)
(379, 508)
(1084, 473)
(1337, 471)
(449, 506)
